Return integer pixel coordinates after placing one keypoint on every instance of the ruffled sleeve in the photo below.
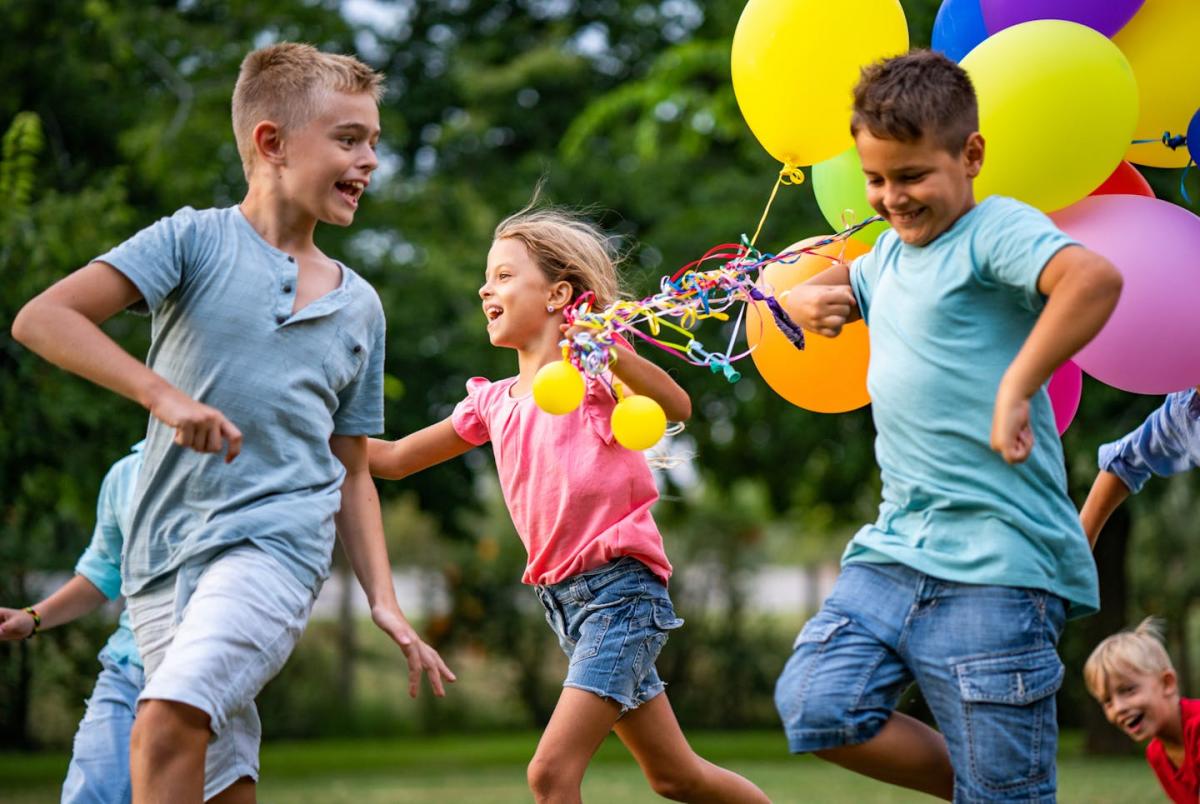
(598, 404)
(470, 418)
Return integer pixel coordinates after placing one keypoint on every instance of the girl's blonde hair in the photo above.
(567, 248)
(1140, 651)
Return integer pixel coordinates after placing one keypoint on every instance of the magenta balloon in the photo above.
(1149, 345)
(1065, 389)
(1105, 16)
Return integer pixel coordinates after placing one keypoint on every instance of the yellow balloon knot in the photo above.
(791, 174)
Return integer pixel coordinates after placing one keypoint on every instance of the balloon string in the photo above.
(1172, 141)
(788, 174)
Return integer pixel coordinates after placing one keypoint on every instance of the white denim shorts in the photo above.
(211, 636)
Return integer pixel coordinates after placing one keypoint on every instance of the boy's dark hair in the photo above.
(920, 93)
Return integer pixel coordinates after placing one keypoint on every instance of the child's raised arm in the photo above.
(1107, 494)
(643, 377)
(1082, 289)
(416, 452)
(62, 324)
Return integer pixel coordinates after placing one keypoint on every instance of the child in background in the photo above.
(258, 339)
(99, 769)
(1167, 443)
(977, 558)
(1132, 677)
(581, 504)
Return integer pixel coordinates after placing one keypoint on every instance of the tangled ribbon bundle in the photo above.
(687, 297)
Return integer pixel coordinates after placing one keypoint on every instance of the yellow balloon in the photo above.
(830, 375)
(1057, 108)
(1160, 43)
(795, 64)
(558, 387)
(638, 422)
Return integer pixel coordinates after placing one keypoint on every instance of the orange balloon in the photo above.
(830, 375)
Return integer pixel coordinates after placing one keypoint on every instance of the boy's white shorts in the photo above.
(211, 636)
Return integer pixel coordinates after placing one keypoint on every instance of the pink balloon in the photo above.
(1066, 386)
(1151, 344)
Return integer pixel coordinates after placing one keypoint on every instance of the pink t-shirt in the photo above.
(577, 498)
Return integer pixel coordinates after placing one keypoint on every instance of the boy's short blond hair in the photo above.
(1138, 651)
(286, 83)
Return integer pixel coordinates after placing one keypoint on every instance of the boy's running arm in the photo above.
(825, 303)
(360, 527)
(1082, 289)
(62, 324)
(415, 452)
(72, 600)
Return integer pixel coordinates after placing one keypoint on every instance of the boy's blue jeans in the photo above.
(99, 769)
(983, 656)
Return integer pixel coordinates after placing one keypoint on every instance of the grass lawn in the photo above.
(490, 769)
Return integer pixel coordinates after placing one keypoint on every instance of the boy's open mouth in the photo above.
(1134, 722)
(351, 191)
(492, 311)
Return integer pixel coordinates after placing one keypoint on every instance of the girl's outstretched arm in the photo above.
(392, 460)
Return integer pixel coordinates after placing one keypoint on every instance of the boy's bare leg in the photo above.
(166, 753)
(243, 791)
(674, 770)
(905, 752)
(580, 722)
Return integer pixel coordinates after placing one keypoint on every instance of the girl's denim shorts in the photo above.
(612, 622)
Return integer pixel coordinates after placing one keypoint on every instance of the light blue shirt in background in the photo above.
(1167, 443)
(101, 561)
(223, 332)
(946, 320)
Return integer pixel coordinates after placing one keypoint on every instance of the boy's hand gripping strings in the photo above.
(688, 296)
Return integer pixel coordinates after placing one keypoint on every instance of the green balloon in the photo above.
(841, 193)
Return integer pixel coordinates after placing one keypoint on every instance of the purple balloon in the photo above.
(1105, 16)
(1149, 344)
(1065, 389)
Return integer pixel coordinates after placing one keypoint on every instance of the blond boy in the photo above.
(1132, 677)
(270, 353)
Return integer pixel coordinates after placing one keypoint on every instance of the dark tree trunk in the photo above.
(1110, 555)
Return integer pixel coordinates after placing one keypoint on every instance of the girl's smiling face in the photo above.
(516, 296)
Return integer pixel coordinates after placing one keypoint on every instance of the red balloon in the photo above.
(1125, 180)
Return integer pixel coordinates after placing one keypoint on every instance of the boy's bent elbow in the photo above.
(24, 325)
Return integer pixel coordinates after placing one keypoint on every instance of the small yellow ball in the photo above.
(638, 422)
(558, 388)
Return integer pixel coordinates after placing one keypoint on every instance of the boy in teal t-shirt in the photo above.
(965, 580)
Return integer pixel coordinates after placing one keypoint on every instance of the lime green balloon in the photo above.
(1057, 108)
(558, 387)
(841, 191)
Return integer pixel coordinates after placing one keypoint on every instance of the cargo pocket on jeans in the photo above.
(820, 628)
(1009, 716)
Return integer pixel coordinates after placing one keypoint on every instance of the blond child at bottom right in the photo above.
(1132, 677)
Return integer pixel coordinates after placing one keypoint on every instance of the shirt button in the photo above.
(356, 349)
(287, 288)
(291, 259)
(279, 319)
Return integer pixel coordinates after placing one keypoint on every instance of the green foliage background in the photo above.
(116, 113)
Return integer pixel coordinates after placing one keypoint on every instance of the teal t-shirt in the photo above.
(946, 320)
(101, 562)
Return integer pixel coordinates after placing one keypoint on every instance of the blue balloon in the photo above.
(958, 28)
(1193, 137)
